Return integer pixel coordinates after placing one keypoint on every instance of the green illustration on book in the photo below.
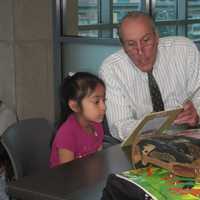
(160, 184)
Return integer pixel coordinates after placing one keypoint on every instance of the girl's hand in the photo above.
(65, 155)
(100, 148)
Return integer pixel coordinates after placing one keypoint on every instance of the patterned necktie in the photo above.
(156, 97)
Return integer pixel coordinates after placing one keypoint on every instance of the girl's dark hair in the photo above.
(76, 87)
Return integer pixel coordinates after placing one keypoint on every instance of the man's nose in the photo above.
(139, 48)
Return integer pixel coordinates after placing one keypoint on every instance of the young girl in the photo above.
(82, 133)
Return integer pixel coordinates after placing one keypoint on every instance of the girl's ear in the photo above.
(73, 105)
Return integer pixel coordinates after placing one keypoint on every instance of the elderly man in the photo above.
(172, 62)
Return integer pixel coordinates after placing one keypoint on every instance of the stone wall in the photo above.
(26, 57)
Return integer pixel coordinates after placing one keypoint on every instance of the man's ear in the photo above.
(73, 105)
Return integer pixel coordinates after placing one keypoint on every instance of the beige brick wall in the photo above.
(26, 57)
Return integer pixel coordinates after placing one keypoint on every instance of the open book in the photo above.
(155, 122)
(160, 184)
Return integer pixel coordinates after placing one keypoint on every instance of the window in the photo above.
(121, 8)
(99, 18)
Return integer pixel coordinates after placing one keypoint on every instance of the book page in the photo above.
(153, 123)
(193, 133)
(160, 184)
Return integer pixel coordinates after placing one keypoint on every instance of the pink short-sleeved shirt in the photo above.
(71, 136)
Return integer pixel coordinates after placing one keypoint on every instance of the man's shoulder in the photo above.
(175, 41)
(114, 61)
(114, 58)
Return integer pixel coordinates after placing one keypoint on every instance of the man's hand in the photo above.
(188, 115)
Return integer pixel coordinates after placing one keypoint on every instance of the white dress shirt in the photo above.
(176, 70)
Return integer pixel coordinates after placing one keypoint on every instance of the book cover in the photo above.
(154, 123)
(160, 184)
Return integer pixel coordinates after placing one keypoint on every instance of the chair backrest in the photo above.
(109, 140)
(27, 143)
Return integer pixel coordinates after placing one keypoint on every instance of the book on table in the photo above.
(160, 184)
(169, 160)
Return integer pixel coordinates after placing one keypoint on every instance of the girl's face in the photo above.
(93, 106)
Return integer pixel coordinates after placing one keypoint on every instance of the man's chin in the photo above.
(145, 67)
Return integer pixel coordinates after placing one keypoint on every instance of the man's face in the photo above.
(140, 42)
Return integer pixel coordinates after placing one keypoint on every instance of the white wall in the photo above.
(85, 57)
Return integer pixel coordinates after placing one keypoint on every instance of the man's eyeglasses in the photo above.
(146, 41)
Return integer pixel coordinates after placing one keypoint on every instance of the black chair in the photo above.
(27, 143)
(109, 140)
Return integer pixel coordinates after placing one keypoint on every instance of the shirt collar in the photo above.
(137, 70)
